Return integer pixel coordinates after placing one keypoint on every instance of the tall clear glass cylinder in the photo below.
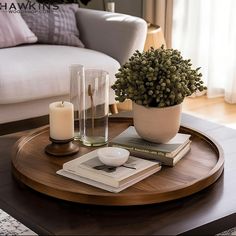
(76, 88)
(95, 109)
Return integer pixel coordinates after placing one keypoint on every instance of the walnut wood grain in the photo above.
(201, 167)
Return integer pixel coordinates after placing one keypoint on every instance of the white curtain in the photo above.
(205, 32)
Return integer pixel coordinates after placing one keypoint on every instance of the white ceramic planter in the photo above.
(157, 125)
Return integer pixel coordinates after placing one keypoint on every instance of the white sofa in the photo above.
(32, 76)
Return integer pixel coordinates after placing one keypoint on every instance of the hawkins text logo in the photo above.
(28, 6)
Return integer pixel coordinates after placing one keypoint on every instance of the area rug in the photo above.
(11, 226)
(228, 232)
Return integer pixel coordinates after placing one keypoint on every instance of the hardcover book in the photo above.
(167, 153)
(88, 169)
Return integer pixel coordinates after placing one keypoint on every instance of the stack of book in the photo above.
(88, 169)
(167, 153)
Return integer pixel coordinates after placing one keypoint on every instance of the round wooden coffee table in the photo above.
(201, 167)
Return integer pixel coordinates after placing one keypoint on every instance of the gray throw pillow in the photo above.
(54, 26)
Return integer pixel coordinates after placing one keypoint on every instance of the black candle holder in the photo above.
(62, 148)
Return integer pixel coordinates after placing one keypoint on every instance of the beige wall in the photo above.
(131, 7)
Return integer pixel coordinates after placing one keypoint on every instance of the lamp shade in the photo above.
(155, 37)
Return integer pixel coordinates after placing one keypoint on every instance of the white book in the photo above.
(134, 170)
(104, 186)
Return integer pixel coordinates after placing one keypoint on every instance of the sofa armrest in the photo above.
(116, 35)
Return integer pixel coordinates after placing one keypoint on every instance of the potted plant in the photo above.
(157, 81)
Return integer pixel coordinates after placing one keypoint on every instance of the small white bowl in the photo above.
(113, 156)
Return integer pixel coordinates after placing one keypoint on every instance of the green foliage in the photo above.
(157, 78)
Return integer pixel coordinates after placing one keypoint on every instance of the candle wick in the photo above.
(62, 103)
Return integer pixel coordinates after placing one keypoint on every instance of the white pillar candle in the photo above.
(61, 120)
(111, 6)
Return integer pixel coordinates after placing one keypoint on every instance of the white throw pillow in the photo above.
(13, 29)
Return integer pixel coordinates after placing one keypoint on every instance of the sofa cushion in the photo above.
(41, 71)
(55, 26)
(13, 29)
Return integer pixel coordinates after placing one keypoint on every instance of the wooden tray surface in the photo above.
(201, 167)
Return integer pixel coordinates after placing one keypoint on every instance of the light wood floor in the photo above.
(213, 109)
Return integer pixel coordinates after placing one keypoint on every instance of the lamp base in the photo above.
(61, 148)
